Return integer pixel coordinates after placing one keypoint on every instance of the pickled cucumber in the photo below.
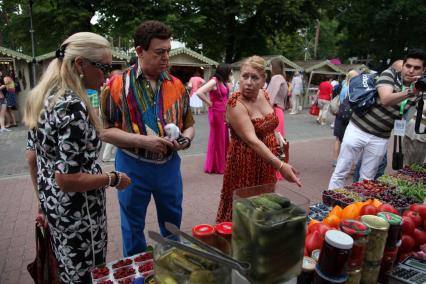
(269, 233)
(265, 203)
(202, 277)
(281, 200)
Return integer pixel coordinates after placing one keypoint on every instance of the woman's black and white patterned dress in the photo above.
(66, 142)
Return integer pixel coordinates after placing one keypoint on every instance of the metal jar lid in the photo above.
(308, 264)
(339, 239)
(224, 228)
(354, 228)
(203, 230)
(375, 222)
(391, 218)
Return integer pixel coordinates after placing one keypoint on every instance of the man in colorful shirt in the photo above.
(368, 135)
(141, 102)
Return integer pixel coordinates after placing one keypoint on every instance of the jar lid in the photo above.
(393, 219)
(354, 228)
(203, 230)
(375, 222)
(315, 254)
(224, 228)
(339, 239)
(308, 264)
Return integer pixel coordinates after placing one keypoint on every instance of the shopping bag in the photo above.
(314, 110)
(44, 269)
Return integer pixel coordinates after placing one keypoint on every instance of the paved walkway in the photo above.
(310, 153)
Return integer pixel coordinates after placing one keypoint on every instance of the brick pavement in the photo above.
(310, 153)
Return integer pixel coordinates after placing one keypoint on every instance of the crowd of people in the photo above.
(139, 106)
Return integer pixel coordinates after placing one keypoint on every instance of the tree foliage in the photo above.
(381, 29)
(223, 30)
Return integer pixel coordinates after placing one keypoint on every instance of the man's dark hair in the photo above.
(222, 72)
(415, 54)
(149, 30)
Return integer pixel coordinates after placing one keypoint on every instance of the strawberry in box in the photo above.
(122, 262)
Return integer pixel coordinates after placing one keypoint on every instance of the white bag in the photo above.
(334, 105)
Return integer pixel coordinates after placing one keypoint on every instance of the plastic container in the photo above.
(395, 229)
(269, 224)
(171, 263)
(308, 271)
(376, 239)
(359, 233)
(335, 253)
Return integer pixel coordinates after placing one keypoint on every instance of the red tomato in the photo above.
(321, 228)
(408, 225)
(407, 243)
(313, 241)
(413, 215)
(368, 210)
(419, 236)
(387, 208)
(419, 208)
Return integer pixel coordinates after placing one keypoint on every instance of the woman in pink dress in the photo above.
(216, 100)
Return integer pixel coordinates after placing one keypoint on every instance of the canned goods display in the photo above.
(376, 239)
(335, 253)
(359, 233)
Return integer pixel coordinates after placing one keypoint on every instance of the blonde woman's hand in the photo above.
(290, 174)
(125, 181)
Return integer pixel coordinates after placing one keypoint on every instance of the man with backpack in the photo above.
(368, 133)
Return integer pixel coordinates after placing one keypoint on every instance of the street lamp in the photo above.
(33, 65)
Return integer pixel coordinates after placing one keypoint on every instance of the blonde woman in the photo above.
(251, 158)
(63, 147)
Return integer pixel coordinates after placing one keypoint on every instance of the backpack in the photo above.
(345, 110)
(362, 93)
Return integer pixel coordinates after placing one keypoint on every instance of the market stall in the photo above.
(366, 232)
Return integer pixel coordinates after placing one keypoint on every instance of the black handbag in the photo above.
(397, 156)
(44, 269)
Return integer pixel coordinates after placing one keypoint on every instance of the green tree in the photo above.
(53, 21)
(381, 29)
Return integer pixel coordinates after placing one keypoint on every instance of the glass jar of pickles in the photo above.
(376, 239)
(359, 233)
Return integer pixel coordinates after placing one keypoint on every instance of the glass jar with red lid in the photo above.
(205, 233)
(359, 233)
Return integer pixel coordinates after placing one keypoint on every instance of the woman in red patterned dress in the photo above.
(251, 156)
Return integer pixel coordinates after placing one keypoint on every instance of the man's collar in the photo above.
(139, 72)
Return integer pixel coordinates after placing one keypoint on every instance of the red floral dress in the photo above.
(245, 168)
